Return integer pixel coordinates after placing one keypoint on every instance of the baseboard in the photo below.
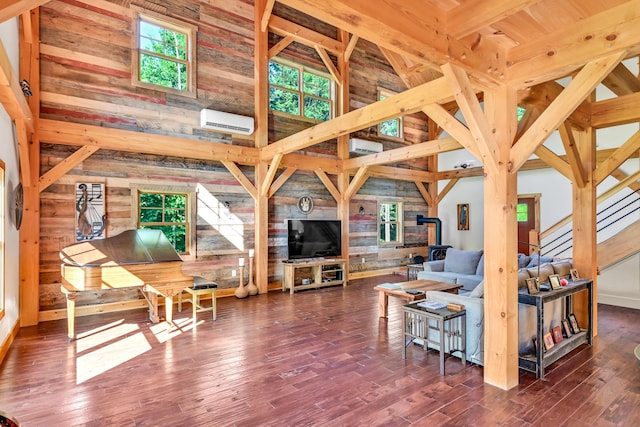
(619, 301)
(373, 273)
(6, 344)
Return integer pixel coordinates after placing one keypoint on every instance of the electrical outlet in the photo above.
(233, 273)
(363, 260)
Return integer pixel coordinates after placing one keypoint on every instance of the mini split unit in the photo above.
(226, 122)
(362, 146)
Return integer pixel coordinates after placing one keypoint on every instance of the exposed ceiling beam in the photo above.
(400, 174)
(11, 95)
(616, 111)
(59, 170)
(559, 53)
(303, 35)
(573, 155)
(470, 17)
(619, 156)
(241, 178)
(542, 95)
(331, 188)
(622, 81)
(12, 8)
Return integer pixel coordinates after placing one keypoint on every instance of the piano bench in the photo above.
(201, 286)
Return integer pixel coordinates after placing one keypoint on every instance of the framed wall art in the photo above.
(463, 216)
(90, 217)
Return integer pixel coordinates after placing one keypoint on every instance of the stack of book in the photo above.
(431, 305)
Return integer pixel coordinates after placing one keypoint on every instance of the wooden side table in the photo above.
(417, 321)
(412, 271)
(201, 286)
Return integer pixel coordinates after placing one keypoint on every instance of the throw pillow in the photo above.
(523, 260)
(523, 275)
(562, 269)
(478, 291)
(537, 259)
(480, 269)
(545, 270)
(461, 262)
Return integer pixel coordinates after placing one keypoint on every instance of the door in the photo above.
(527, 214)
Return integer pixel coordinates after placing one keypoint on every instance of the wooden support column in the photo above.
(584, 227)
(262, 8)
(343, 143)
(501, 245)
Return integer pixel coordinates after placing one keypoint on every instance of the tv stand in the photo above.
(323, 272)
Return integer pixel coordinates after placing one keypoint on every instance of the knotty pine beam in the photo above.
(424, 193)
(23, 151)
(303, 35)
(280, 181)
(423, 149)
(559, 53)
(242, 178)
(11, 95)
(271, 173)
(328, 184)
(266, 15)
(12, 8)
(573, 155)
(65, 165)
(446, 189)
(622, 81)
(355, 184)
(554, 161)
(329, 64)
(621, 175)
(539, 97)
(350, 47)
(66, 133)
(619, 156)
(577, 91)
(453, 126)
(470, 17)
(406, 102)
(483, 140)
(280, 46)
(616, 111)
(400, 174)
(309, 162)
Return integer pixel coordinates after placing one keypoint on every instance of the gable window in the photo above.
(300, 92)
(164, 56)
(167, 212)
(391, 127)
(390, 232)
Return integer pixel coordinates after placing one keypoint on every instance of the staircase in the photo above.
(619, 247)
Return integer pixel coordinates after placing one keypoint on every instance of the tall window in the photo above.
(391, 127)
(165, 56)
(167, 212)
(3, 225)
(297, 91)
(390, 223)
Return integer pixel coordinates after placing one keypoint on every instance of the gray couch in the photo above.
(474, 305)
(466, 267)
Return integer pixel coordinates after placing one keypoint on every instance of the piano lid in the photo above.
(144, 246)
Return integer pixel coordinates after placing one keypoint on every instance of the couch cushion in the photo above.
(459, 261)
(468, 282)
(536, 259)
(523, 275)
(438, 276)
(562, 268)
(523, 260)
(478, 291)
(480, 269)
(545, 270)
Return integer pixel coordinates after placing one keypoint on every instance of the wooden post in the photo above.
(343, 150)
(584, 228)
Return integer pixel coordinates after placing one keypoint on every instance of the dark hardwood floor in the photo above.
(319, 357)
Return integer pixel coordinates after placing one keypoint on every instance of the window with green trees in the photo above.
(522, 212)
(164, 57)
(167, 212)
(390, 223)
(300, 92)
(391, 127)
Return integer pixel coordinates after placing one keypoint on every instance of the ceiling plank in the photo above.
(12, 8)
(423, 149)
(577, 91)
(281, 180)
(66, 133)
(303, 35)
(622, 81)
(619, 156)
(558, 53)
(480, 129)
(241, 178)
(65, 165)
(616, 111)
(470, 17)
(406, 102)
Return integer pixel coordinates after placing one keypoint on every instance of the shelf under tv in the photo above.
(320, 268)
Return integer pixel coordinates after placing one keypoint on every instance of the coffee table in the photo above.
(399, 290)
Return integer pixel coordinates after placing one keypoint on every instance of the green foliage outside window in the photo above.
(520, 113)
(163, 56)
(391, 127)
(166, 212)
(295, 91)
(522, 212)
(390, 223)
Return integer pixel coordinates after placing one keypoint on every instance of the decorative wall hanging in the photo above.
(18, 205)
(463, 216)
(90, 217)
(305, 204)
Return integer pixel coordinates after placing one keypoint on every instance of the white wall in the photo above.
(8, 154)
(617, 285)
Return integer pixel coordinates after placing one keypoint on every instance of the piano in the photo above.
(134, 258)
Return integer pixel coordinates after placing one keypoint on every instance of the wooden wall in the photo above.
(86, 78)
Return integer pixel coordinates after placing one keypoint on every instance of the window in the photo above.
(390, 223)
(520, 113)
(391, 127)
(167, 212)
(522, 212)
(164, 55)
(3, 225)
(300, 92)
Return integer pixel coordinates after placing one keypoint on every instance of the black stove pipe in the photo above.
(422, 220)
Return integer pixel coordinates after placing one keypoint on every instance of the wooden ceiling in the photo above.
(517, 42)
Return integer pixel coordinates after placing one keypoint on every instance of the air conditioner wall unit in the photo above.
(226, 122)
(362, 146)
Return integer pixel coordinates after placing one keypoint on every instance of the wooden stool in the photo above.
(201, 286)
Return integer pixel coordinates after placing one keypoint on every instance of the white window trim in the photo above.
(400, 223)
(387, 94)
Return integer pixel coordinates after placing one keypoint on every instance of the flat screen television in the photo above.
(314, 238)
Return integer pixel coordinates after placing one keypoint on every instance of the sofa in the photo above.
(527, 321)
(466, 267)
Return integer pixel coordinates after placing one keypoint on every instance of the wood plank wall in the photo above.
(86, 78)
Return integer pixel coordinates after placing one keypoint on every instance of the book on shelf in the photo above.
(431, 305)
